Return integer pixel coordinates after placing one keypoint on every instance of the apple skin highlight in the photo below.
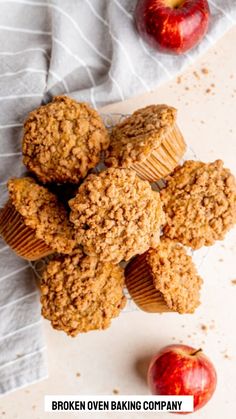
(181, 370)
(172, 26)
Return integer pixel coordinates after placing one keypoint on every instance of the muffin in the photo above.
(63, 140)
(149, 142)
(33, 223)
(116, 215)
(164, 279)
(80, 293)
(200, 203)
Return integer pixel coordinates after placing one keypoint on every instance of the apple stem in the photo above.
(175, 4)
(196, 352)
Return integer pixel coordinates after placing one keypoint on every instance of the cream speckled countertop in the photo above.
(116, 358)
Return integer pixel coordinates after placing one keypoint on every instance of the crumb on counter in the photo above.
(115, 391)
(204, 328)
(205, 70)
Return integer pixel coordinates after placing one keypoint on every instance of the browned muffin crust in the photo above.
(43, 213)
(63, 140)
(80, 293)
(200, 203)
(175, 276)
(138, 135)
(116, 215)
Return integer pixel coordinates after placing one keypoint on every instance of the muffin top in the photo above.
(200, 203)
(43, 213)
(63, 140)
(80, 293)
(138, 135)
(175, 276)
(116, 215)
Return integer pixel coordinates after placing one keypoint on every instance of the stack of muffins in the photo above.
(115, 215)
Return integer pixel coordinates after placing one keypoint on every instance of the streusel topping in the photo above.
(116, 215)
(63, 140)
(80, 293)
(200, 203)
(138, 135)
(43, 213)
(175, 276)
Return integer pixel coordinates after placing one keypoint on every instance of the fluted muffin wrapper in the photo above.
(164, 159)
(141, 288)
(19, 237)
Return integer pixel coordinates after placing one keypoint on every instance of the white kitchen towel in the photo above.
(90, 49)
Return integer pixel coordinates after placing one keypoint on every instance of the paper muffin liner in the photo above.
(19, 237)
(140, 285)
(164, 159)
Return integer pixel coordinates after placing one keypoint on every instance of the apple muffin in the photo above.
(33, 222)
(164, 279)
(149, 142)
(200, 203)
(63, 140)
(79, 293)
(116, 215)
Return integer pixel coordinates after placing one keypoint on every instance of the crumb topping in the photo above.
(175, 276)
(43, 213)
(80, 293)
(200, 203)
(116, 215)
(138, 135)
(63, 140)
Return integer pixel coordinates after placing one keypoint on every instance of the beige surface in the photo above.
(117, 357)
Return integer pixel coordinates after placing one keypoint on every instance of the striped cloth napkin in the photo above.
(87, 48)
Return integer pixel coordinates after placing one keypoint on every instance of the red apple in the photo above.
(173, 26)
(181, 370)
